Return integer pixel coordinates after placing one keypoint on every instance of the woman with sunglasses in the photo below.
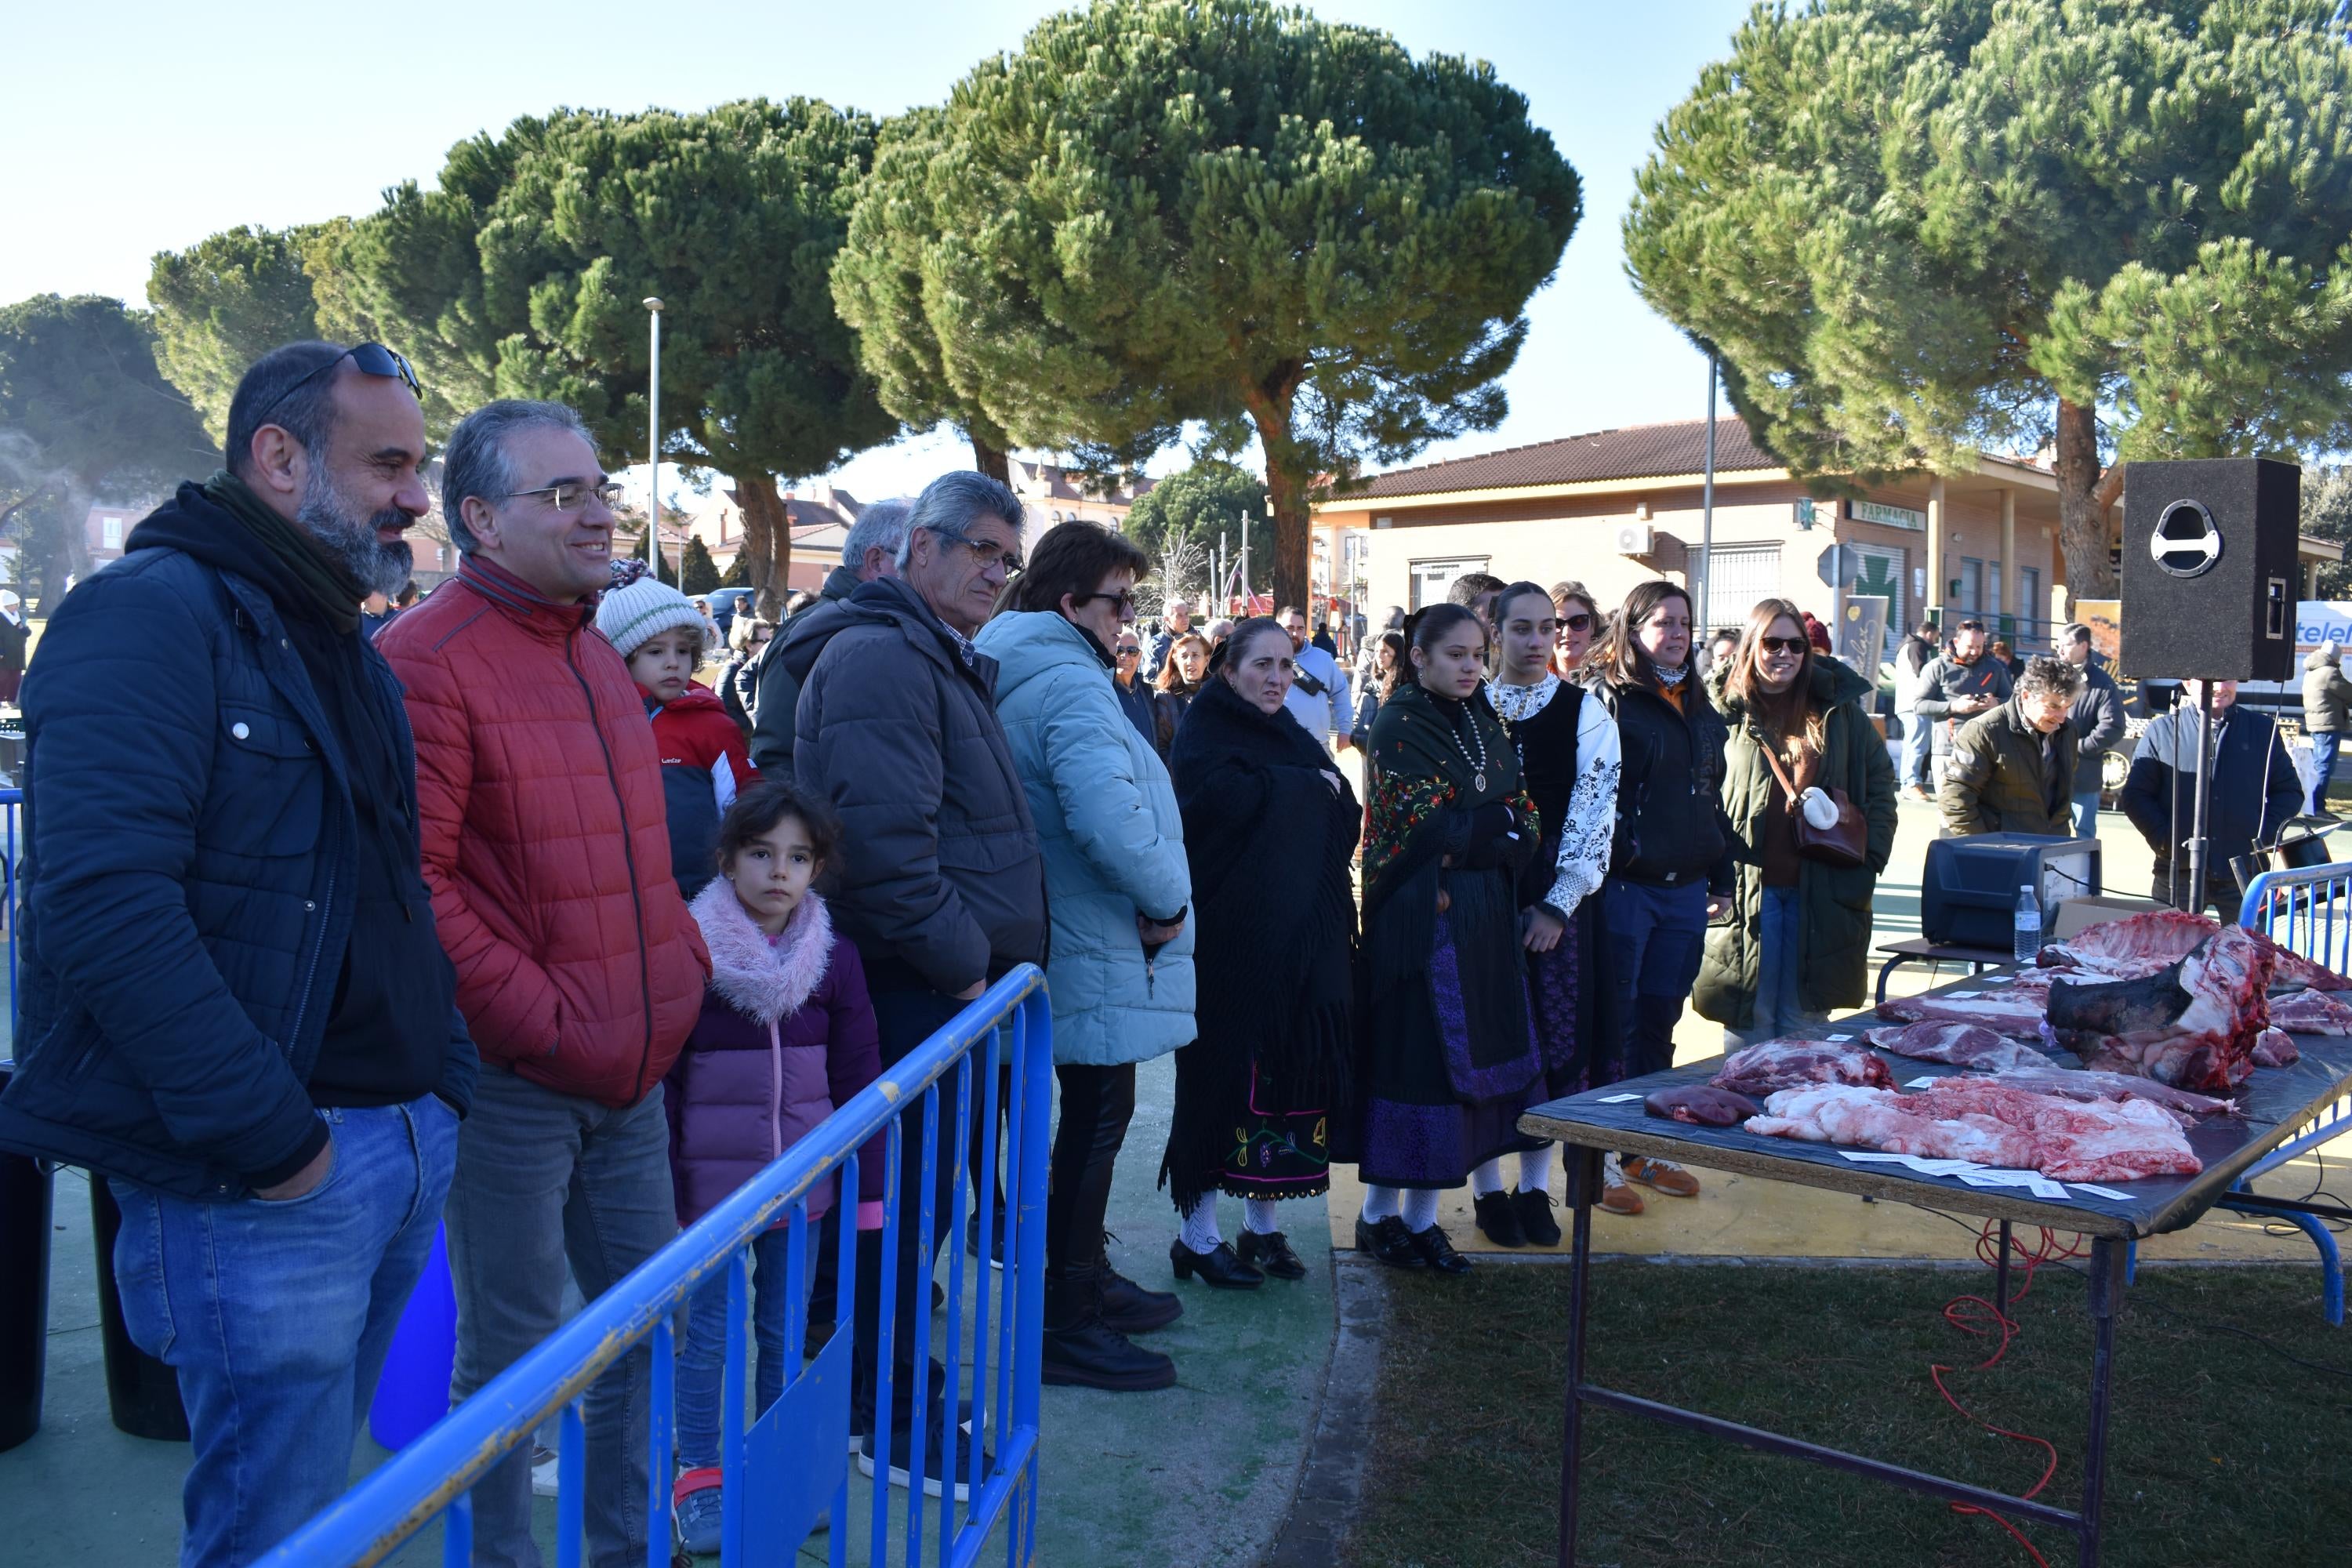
(1118, 891)
(1798, 942)
(1567, 749)
(1580, 623)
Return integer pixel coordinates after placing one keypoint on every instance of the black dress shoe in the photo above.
(1220, 1268)
(1133, 1309)
(1389, 1242)
(1271, 1254)
(1535, 1217)
(1499, 1218)
(1082, 1350)
(1437, 1249)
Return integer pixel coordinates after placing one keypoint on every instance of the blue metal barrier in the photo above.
(789, 1467)
(2307, 911)
(12, 821)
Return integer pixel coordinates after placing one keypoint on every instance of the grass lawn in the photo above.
(2220, 1451)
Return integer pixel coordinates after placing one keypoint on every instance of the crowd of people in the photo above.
(348, 913)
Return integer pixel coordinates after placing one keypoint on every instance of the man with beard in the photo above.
(236, 1006)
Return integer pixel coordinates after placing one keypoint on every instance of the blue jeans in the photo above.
(1918, 740)
(2086, 815)
(2323, 762)
(702, 1353)
(277, 1316)
(1654, 935)
(1780, 972)
(544, 1177)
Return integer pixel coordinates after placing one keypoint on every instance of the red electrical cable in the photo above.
(1968, 1314)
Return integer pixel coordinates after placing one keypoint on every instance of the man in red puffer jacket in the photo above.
(579, 971)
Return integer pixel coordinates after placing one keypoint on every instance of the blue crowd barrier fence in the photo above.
(2307, 911)
(787, 1467)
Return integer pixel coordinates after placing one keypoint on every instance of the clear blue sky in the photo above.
(133, 128)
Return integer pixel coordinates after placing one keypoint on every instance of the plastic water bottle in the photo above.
(2026, 938)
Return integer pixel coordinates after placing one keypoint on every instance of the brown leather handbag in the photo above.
(1845, 844)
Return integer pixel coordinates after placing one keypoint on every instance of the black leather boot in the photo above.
(1128, 1307)
(1084, 1352)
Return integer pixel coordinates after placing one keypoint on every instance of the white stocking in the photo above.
(1488, 1177)
(1420, 1209)
(1201, 1226)
(1257, 1215)
(1534, 1169)
(1379, 1203)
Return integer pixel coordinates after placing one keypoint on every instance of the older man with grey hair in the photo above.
(772, 689)
(940, 882)
(579, 970)
(1177, 623)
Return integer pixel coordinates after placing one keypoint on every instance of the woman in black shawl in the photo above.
(1447, 1055)
(1269, 829)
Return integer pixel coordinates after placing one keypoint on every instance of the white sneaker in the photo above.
(543, 1463)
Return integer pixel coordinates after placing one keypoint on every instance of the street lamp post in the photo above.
(653, 442)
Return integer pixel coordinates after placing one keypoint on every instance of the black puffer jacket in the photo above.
(941, 881)
(1670, 823)
(768, 687)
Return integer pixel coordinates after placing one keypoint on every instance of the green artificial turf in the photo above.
(2220, 1451)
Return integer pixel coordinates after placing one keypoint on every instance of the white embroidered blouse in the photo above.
(1592, 825)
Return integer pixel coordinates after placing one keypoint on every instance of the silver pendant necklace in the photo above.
(1478, 766)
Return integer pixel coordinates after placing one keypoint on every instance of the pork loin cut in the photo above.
(2003, 1009)
(2071, 1084)
(1787, 1064)
(2310, 1013)
(1971, 1046)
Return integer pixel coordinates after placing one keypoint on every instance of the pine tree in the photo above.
(697, 572)
(1222, 211)
(1917, 229)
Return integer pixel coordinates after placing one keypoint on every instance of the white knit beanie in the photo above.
(639, 608)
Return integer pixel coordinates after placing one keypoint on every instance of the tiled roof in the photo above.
(1637, 451)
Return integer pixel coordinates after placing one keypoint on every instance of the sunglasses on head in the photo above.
(1781, 644)
(370, 359)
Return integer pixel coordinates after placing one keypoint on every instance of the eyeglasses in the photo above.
(1126, 602)
(573, 494)
(984, 552)
(1782, 645)
(371, 359)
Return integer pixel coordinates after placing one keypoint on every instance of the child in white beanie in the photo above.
(704, 765)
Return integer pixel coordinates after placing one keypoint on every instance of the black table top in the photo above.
(2275, 1102)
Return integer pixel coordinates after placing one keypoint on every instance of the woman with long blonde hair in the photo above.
(1798, 940)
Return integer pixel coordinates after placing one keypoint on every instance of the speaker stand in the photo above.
(2197, 869)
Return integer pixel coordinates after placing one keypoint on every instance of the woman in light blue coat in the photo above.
(1118, 889)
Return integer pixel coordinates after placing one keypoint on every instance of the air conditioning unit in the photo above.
(1633, 539)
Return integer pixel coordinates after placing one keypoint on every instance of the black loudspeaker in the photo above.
(2209, 579)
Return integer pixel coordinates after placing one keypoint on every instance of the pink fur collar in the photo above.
(765, 982)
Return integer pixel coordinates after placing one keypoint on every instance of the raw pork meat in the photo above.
(2276, 1049)
(1787, 1064)
(2003, 1009)
(2069, 1084)
(2192, 1025)
(1962, 1044)
(1879, 1119)
(2124, 947)
(2100, 1141)
(1702, 1104)
(2310, 1013)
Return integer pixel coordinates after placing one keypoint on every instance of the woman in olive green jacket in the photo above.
(1797, 943)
